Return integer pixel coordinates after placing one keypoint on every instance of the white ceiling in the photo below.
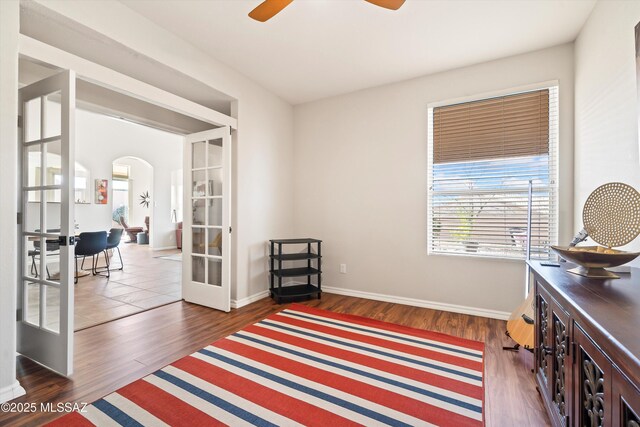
(319, 48)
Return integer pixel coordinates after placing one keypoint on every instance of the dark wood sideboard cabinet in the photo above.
(587, 347)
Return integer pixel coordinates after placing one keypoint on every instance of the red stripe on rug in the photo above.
(416, 408)
(280, 403)
(372, 362)
(381, 342)
(73, 419)
(165, 406)
(391, 327)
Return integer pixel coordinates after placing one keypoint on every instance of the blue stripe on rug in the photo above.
(371, 350)
(308, 390)
(214, 400)
(377, 332)
(409, 387)
(116, 414)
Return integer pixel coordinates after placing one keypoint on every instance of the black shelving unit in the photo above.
(277, 272)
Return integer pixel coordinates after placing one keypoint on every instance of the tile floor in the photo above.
(146, 282)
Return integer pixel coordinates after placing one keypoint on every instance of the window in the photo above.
(121, 197)
(120, 185)
(482, 155)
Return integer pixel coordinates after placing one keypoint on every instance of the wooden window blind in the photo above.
(482, 155)
(120, 171)
(508, 126)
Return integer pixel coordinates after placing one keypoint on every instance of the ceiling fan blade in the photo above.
(268, 9)
(387, 4)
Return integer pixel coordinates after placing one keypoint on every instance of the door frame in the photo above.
(118, 82)
(121, 83)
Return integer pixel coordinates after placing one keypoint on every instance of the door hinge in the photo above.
(575, 350)
(62, 240)
(20, 122)
(19, 218)
(230, 229)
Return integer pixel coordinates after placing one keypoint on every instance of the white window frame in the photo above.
(554, 142)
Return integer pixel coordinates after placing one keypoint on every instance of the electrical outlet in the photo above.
(343, 268)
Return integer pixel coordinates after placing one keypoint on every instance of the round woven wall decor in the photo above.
(611, 214)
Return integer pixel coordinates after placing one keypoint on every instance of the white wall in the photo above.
(9, 18)
(361, 183)
(606, 125)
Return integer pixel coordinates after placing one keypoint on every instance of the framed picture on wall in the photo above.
(102, 191)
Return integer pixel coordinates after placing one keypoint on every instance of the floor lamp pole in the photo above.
(528, 248)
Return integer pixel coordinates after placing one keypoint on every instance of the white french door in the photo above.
(206, 252)
(46, 248)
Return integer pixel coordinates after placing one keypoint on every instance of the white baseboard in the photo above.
(11, 392)
(164, 248)
(474, 311)
(482, 312)
(237, 303)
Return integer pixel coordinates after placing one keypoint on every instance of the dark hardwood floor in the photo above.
(113, 354)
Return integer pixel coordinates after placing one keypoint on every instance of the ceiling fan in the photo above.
(269, 8)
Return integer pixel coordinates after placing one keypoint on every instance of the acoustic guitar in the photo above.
(520, 325)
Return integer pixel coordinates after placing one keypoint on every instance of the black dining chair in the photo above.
(91, 244)
(113, 240)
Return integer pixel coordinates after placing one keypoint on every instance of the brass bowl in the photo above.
(593, 264)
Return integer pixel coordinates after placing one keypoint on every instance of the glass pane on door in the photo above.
(214, 239)
(214, 272)
(214, 157)
(198, 238)
(31, 301)
(31, 213)
(199, 183)
(31, 257)
(198, 154)
(53, 172)
(53, 115)
(53, 210)
(215, 182)
(32, 115)
(214, 217)
(199, 209)
(197, 269)
(51, 309)
(51, 257)
(33, 162)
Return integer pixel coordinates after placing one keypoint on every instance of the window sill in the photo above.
(476, 257)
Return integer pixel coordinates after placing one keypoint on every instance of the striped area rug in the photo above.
(305, 366)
